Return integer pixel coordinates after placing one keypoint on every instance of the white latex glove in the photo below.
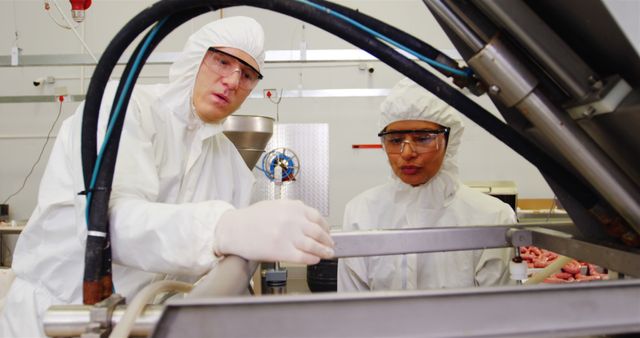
(270, 231)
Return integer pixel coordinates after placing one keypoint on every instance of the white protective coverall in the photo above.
(175, 176)
(441, 202)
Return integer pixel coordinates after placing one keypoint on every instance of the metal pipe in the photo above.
(473, 18)
(230, 277)
(551, 236)
(470, 38)
(571, 72)
(419, 240)
(72, 320)
(584, 309)
(590, 161)
(505, 75)
(512, 83)
(430, 239)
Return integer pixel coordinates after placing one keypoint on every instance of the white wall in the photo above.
(627, 13)
(352, 120)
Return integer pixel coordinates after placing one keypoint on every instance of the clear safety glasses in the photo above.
(226, 64)
(421, 141)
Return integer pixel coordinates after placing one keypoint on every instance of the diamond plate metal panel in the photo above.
(310, 142)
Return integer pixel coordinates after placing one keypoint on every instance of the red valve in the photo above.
(77, 9)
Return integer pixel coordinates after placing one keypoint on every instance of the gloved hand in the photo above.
(270, 231)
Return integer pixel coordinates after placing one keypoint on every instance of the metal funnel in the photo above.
(250, 135)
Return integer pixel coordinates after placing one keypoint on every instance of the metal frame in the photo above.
(614, 257)
(565, 310)
(74, 320)
(556, 56)
(513, 80)
(420, 240)
(560, 310)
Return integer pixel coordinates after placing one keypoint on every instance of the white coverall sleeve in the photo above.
(493, 266)
(350, 275)
(156, 237)
(352, 272)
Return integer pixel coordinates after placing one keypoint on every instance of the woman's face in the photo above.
(215, 96)
(412, 165)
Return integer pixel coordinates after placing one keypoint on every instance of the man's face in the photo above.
(216, 96)
(412, 165)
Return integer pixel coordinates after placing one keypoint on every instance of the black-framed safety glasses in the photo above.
(226, 64)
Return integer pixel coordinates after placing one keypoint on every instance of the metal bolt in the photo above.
(588, 112)
(493, 89)
(595, 83)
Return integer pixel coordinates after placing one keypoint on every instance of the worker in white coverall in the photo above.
(421, 135)
(180, 194)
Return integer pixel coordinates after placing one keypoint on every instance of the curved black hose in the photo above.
(585, 195)
(384, 29)
(187, 9)
(104, 68)
(97, 272)
(399, 36)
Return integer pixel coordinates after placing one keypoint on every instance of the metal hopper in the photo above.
(250, 135)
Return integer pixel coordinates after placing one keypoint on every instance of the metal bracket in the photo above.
(616, 91)
(505, 75)
(100, 317)
(519, 237)
(275, 281)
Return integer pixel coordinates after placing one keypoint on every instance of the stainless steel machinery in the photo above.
(250, 135)
(566, 79)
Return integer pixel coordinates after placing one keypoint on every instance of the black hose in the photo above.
(390, 31)
(186, 9)
(97, 272)
(103, 71)
(584, 194)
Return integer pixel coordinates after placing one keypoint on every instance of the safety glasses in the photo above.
(225, 64)
(421, 141)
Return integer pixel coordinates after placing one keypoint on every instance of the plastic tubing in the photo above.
(230, 277)
(142, 298)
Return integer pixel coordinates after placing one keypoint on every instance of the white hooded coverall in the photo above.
(441, 202)
(175, 176)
